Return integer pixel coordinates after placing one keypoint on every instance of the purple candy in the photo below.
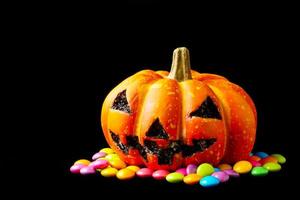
(231, 173)
(75, 169)
(144, 172)
(87, 170)
(182, 171)
(191, 169)
(98, 155)
(222, 176)
(99, 164)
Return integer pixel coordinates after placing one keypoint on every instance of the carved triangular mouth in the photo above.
(207, 109)
(120, 103)
(164, 155)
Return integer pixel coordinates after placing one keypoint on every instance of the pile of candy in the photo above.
(109, 164)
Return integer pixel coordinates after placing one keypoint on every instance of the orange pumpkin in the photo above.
(167, 120)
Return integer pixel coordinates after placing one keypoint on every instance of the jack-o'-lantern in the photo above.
(167, 120)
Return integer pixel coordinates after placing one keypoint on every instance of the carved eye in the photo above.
(156, 130)
(121, 103)
(207, 109)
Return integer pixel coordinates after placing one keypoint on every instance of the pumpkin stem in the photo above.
(181, 67)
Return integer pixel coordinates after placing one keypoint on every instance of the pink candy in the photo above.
(98, 155)
(87, 170)
(144, 172)
(160, 174)
(99, 164)
(182, 171)
(231, 173)
(75, 169)
(222, 176)
(255, 163)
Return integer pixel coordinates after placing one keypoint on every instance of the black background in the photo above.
(73, 55)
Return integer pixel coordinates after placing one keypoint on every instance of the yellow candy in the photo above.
(109, 172)
(112, 156)
(125, 174)
(117, 163)
(192, 179)
(133, 168)
(82, 161)
(242, 167)
(224, 166)
(107, 150)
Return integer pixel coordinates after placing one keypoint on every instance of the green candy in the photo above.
(281, 159)
(272, 167)
(205, 169)
(174, 177)
(259, 171)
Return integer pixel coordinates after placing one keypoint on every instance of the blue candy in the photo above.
(262, 154)
(217, 169)
(209, 181)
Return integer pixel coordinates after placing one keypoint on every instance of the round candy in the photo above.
(107, 150)
(182, 171)
(117, 163)
(125, 174)
(231, 173)
(83, 162)
(222, 176)
(191, 169)
(216, 169)
(109, 172)
(191, 179)
(112, 156)
(133, 168)
(281, 159)
(205, 169)
(209, 181)
(272, 167)
(98, 155)
(255, 158)
(144, 173)
(174, 177)
(160, 174)
(255, 163)
(99, 164)
(87, 170)
(261, 154)
(268, 159)
(75, 169)
(242, 167)
(224, 166)
(259, 171)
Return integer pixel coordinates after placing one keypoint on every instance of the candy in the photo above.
(231, 173)
(133, 168)
(209, 181)
(107, 150)
(191, 169)
(87, 170)
(222, 176)
(75, 169)
(272, 167)
(255, 163)
(160, 174)
(98, 155)
(268, 159)
(224, 166)
(99, 164)
(261, 154)
(144, 173)
(205, 169)
(112, 156)
(109, 172)
(281, 159)
(242, 167)
(117, 163)
(125, 174)
(216, 169)
(83, 162)
(255, 158)
(259, 171)
(191, 179)
(174, 177)
(182, 171)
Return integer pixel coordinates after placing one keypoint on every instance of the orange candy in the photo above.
(268, 159)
